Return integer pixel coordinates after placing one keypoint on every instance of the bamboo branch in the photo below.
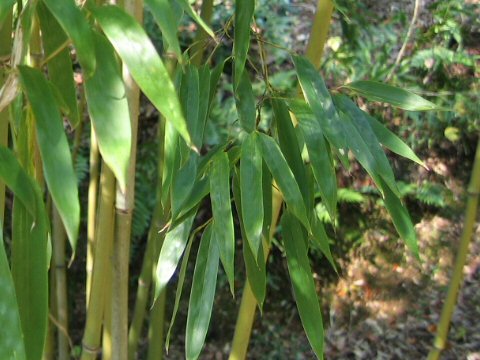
(456, 281)
(243, 327)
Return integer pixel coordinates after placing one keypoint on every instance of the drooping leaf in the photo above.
(204, 76)
(321, 240)
(244, 10)
(54, 149)
(60, 69)
(376, 91)
(303, 283)
(75, 24)
(287, 139)
(11, 337)
(245, 102)
(318, 152)
(172, 249)
(223, 231)
(251, 192)
(284, 177)
(202, 294)
(267, 200)
(320, 101)
(183, 182)
(137, 51)
(189, 10)
(354, 117)
(108, 108)
(165, 18)
(254, 264)
(178, 292)
(401, 219)
(170, 144)
(392, 141)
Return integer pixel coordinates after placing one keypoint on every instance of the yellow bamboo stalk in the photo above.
(314, 52)
(103, 248)
(456, 281)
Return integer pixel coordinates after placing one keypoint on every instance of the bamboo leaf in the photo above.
(5, 8)
(392, 141)
(54, 149)
(303, 283)
(178, 292)
(137, 51)
(364, 134)
(244, 10)
(318, 152)
(223, 232)
(245, 102)
(287, 139)
(251, 192)
(165, 18)
(401, 219)
(189, 10)
(320, 101)
(267, 200)
(254, 264)
(74, 23)
(284, 178)
(172, 249)
(202, 294)
(183, 182)
(204, 103)
(108, 108)
(403, 99)
(60, 68)
(170, 145)
(11, 337)
(321, 240)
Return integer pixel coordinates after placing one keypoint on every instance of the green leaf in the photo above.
(244, 10)
(189, 10)
(54, 149)
(202, 294)
(392, 141)
(318, 152)
(178, 292)
(284, 178)
(254, 264)
(401, 219)
(165, 18)
(397, 97)
(287, 139)
(74, 23)
(365, 138)
(303, 283)
(223, 231)
(267, 200)
(320, 238)
(5, 8)
(11, 337)
(320, 101)
(245, 102)
(172, 249)
(183, 182)
(108, 108)
(60, 68)
(251, 192)
(171, 140)
(137, 51)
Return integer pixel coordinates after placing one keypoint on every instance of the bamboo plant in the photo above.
(118, 61)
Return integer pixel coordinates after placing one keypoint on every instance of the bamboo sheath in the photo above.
(246, 315)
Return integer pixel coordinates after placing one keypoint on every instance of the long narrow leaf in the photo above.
(251, 192)
(245, 102)
(189, 10)
(284, 178)
(172, 250)
(11, 337)
(108, 108)
(74, 23)
(244, 10)
(223, 231)
(137, 51)
(202, 294)
(398, 97)
(56, 158)
(303, 283)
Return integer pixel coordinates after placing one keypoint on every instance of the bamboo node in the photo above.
(90, 350)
